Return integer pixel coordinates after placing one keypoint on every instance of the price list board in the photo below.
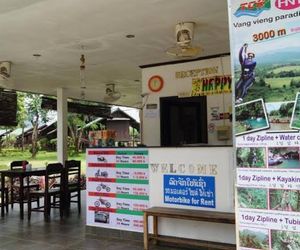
(117, 188)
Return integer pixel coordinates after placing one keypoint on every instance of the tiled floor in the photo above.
(69, 234)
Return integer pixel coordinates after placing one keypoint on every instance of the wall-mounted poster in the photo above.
(117, 188)
(265, 51)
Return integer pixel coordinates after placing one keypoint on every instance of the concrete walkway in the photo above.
(69, 234)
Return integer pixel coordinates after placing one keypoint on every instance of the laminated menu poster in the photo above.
(117, 188)
(265, 51)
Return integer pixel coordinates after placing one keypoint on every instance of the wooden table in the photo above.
(21, 174)
(185, 214)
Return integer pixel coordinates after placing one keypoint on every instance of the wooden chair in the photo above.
(72, 187)
(6, 199)
(54, 174)
(15, 165)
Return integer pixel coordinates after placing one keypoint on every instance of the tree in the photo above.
(77, 125)
(274, 113)
(35, 115)
(21, 114)
(292, 83)
(1, 143)
(290, 108)
(261, 82)
(2, 137)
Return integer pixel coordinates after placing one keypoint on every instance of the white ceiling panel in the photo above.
(62, 30)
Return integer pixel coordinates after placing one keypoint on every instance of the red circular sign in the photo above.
(155, 83)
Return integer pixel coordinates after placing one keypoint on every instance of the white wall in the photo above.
(216, 162)
(173, 86)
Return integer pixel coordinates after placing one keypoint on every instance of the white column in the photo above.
(62, 125)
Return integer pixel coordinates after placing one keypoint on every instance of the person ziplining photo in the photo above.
(247, 77)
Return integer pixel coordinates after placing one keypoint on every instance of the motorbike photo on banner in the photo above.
(265, 56)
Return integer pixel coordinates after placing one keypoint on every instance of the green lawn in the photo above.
(41, 159)
(279, 82)
(271, 95)
(286, 68)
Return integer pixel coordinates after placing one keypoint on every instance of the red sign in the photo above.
(287, 4)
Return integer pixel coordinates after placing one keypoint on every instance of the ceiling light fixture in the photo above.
(82, 76)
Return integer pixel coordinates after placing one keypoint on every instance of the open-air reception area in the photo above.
(150, 124)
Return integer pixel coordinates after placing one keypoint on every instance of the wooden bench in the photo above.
(185, 214)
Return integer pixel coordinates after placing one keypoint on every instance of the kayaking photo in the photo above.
(283, 157)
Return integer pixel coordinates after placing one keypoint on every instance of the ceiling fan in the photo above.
(184, 32)
(111, 94)
(5, 70)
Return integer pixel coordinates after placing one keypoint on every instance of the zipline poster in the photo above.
(265, 51)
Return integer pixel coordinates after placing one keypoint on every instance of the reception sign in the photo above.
(265, 57)
(117, 188)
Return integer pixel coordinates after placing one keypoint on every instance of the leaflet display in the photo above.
(265, 47)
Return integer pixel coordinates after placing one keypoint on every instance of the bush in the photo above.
(38, 148)
(9, 141)
(44, 142)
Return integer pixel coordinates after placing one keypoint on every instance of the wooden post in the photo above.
(145, 231)
(62, 125)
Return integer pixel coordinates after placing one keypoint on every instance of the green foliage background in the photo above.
(244, 112)
(279, 237)
(276, 198)
(274, 83)
(252, 198)
(245, 157)
(296, 118)
(252, 239)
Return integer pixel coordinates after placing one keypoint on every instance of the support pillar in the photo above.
(62, 125)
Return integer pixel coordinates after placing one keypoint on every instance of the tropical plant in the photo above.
(252, 198)
(21, 114)
(35, 115)
(77, 125)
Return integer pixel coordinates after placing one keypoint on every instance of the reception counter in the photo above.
(121, 182)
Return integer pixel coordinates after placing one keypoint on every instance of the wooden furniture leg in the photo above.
(155, 229)
(21, 198)
(146, 240)
(2, 194)
(6, 199)
(12, 192)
